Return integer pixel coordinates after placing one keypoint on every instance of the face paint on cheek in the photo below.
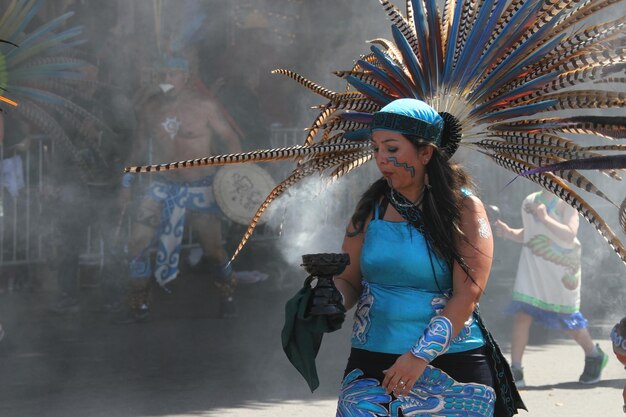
(402, 165)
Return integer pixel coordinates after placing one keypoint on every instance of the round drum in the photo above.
(240, 190)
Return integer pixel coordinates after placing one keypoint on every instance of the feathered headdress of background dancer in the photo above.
(500, 73)
(183, 26)
(40, 72)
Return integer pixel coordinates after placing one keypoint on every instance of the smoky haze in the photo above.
(187, 361)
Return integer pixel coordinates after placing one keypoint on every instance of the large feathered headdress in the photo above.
(179, 27)
(41, 73)
(503, 72)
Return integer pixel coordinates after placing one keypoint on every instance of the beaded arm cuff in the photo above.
(435, 341)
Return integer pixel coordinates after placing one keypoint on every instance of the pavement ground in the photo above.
(188, 362)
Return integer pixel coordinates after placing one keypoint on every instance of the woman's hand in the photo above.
(403, 374)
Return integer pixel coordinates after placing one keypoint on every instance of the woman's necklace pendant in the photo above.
(408, 210)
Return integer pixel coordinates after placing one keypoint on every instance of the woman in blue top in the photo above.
(421, 250)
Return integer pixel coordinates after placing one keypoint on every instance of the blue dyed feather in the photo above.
(357, 117)
(67, 45)
(504, 71)
(519, 91)
(597, 162)
(29, 16)
(38, 95)
(421, 28)
(473, 47)
(435, 57)
(371, 92)
(410, 60)
(21, 54)
(44, 31)
(531, 59)
(394, 70)
(526, 110)
(359, 135)
(48, 72)
(509, 34)
(451, 50)
(382, 77)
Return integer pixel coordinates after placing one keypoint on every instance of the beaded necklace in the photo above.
(407, 209)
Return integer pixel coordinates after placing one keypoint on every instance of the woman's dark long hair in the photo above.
(441, 206)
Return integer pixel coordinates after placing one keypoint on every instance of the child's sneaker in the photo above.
(593, 367)
(518, 376)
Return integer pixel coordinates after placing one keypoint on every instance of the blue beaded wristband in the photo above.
(435, 341)
(617, 339)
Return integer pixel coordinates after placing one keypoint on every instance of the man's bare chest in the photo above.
(178, 122)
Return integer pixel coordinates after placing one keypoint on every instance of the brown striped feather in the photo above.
(545, 15)
(363, 76)
(576, 70)
(447, 19)
(317, 89)
(572, 176)
(583, 99)
(390, 48)
(505, 18)
(577, 125)
(278, 154)
(410, 13)
(581, 13)
(350, 166)
(395, 15)
(319, 120)
(469, 13)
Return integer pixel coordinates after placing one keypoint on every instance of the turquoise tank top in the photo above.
(400, 294)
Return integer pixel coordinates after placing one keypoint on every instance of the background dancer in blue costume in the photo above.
(180, 122)
(421, 250)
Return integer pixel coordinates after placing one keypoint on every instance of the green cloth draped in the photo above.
(302, 334)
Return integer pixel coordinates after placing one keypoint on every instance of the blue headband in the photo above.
(410, 117)
(174, 63)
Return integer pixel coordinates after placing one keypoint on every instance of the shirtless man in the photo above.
(177, 124)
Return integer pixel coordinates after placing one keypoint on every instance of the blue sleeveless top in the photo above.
(400, 294)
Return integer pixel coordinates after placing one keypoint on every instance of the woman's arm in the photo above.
(477, 251)
(349, 281)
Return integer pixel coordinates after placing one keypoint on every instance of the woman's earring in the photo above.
(426, 182)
